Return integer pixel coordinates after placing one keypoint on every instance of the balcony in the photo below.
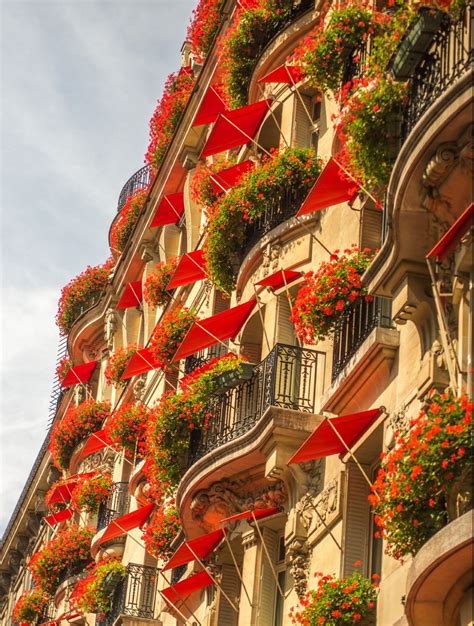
(139, 180)
(355, 327)
(450, 55)
(282, 207)
(201, 358)
(365, 345)
(287, 378)
(116, 505)
(134, 597)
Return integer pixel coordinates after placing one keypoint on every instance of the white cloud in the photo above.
(77, 95)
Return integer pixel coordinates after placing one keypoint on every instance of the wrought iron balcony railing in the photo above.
(355, 326)
(201, 358)
(134, 595)
(139, 180)
(289, 377)
(116, 505)
(282, 207)
(449, 56)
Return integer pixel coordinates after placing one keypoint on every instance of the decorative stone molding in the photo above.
(226, 497)
(249, 539)
(397, 421)
(20, 544)
(110, 327)
(80, 393)
(53, 475)
(440, 179)
(147, 252)
(5, 580)
(139, 387)
(32, 522)
(321, 511)
(297, 555)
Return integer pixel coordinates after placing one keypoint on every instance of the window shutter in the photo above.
(230, 584)
(285, 330)
(356, 520)
(302, 127)
(371, 228)
(221, 303)
(267, 585)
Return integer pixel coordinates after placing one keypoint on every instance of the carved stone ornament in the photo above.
(80, 394)
(102, 459)
(315, 475)
(451, 164)
(298, 558)
(225, 498)
(320, 511)
(397, 421)
(139, 387)
(110, 327)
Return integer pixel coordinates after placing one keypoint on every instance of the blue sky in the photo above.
(79, 82)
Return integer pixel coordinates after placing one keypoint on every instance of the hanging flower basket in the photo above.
(117, 364)
(94, 593)
(29, 607)
(161, 531)
(91, 492)
(70, 548)
(127, 425)
(124, 224)
(169, 334)
(155, 290)
(416, 42)
(338, 602)
(417, 478)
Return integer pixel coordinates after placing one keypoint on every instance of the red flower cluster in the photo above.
(155, 289)
(126, 427)
(90, 492)
(166, 116)
(29, 607)
(169, 334)
(81, 293)
(93, 594)
(337, 601)
(78, 423)
(201, 189)
(117, 364)
(161, 530)
(203, 27)
(70, 547)
(56, 506)
(413, 485)
(63, 367)
(123, 225)
(328, 293)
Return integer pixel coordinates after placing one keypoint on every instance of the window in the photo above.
(281, 575)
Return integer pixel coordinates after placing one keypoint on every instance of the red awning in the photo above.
(219, 327)
(247, 515)
(182, 589)
(202, 546)
(279, 279)
(95, 442)
(191, 268)
(451, 238)
(235, 128)
(288, 74)
(212, 104)
(226, 179)
(62, 491)
(57, 518)
(142, 361)
(323, 441)
(132, 295)
(170, 210)
(79, 374)
(127, 522)
(332, 187)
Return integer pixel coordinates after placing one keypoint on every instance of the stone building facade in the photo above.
(414, 337)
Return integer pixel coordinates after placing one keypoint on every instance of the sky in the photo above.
(79, 82)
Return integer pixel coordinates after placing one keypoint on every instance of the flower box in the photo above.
(415, 43)
(230, 379)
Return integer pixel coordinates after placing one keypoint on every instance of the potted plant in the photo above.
(126, 427)
(91, 492)
(328, 294)
(169, 334)
(166, 116)
(93, 594)
(78, 423)
(416, 42)
(417, 477)
(155, 290)
(117, 364)
(338, 601)
(30, 607)
(231, 215)
(123, 225)
(161, 530)
(70, 548)
(81, 293)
